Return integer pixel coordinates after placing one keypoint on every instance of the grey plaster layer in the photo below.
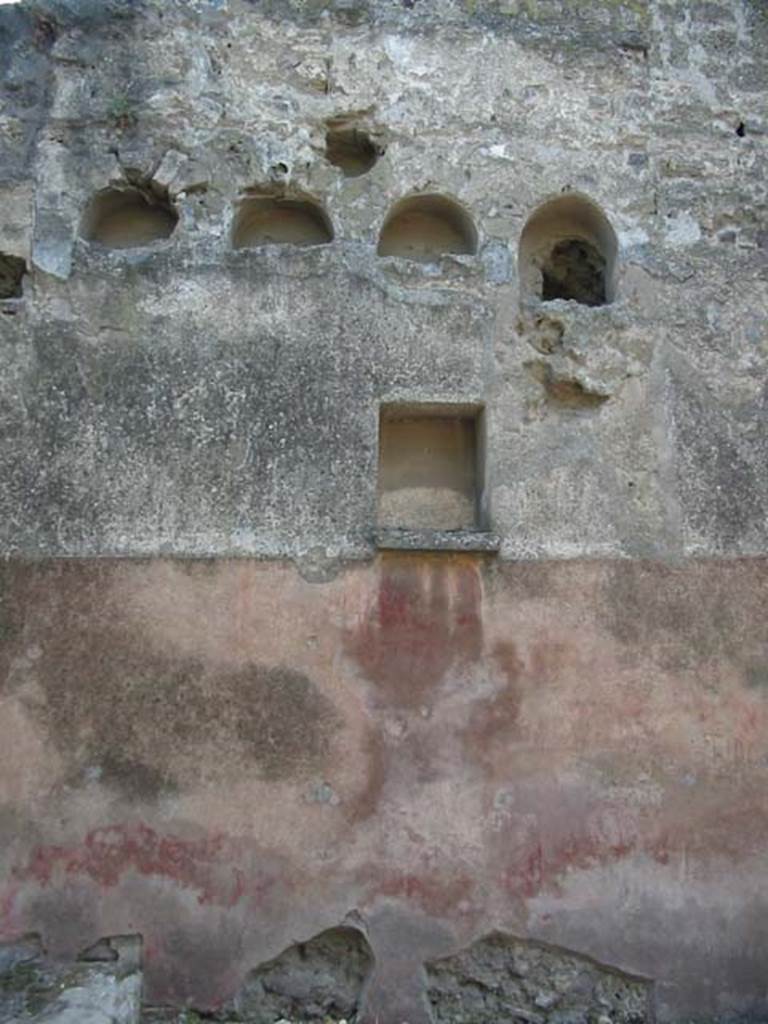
(185, 398)
(435, 540)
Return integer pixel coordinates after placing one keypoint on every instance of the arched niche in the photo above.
(280, 220)
(423, 227)
(568, 250)
(125, 217)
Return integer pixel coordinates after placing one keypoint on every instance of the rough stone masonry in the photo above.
(383, 493)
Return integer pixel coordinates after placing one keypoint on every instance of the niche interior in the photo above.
(424, 227)
(430, 466)
(280, 220)
(568, 250)
(125, 217)
(350, 148)
(12, 271)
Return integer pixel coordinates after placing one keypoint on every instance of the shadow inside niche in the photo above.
(502, 978)
(568, 250)
(425, 227)
(12, 271)
(280, 220)
(350, 149)
(574, 269)
(127, 217)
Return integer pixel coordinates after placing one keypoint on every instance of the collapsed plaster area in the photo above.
(563, 389)
(103, 987)
(325, 979)
(312, 981)
(575, 357)
(501, 978)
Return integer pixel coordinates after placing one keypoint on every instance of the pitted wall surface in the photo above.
(229, 723)
(192, 398)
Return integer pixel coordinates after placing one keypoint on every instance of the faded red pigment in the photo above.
(532, 751)
(214, 867)
(424, 619)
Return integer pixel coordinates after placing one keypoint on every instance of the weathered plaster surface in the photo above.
(565, 742)
(225, 758)
(178, 398)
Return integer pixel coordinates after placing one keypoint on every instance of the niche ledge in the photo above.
(391, 538)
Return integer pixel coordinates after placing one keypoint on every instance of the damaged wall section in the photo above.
(501, 978)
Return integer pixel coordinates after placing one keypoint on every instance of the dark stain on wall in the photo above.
(134, 779)
(424, 618)
(363, 805)
(185, 956)
(756, 677)
(11, 608)
(148, 725)
(684, 616)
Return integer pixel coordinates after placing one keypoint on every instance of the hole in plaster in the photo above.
(128, 217)
(100, 952)
(574, 269)
(545, 333)
(127, 949)
(280, 220)
(316, 980)
(568, 250)
(741, 130)
(503, 978)
(350, 149)
(426, 226)
(12, 271)
(429, 466)
(565, 392)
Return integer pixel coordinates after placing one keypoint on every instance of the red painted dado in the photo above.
(231, 760)
(211, 868)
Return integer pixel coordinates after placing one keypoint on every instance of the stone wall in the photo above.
(178, 398)
(233, 236)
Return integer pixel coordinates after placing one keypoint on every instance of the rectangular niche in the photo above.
(430, 467)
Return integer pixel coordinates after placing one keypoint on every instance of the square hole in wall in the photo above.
(430, 470)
